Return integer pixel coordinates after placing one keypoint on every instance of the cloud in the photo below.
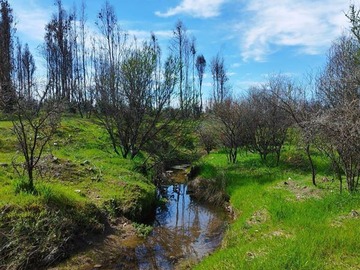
(195, 8)
(31, 25)
(307, 25)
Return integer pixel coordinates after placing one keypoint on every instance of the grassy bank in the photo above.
(282, 221)
(80, 186)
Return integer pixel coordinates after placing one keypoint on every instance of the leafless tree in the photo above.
(183, 48)
(220, 79)
(178, 46)
(297, 102)
(268, 123)
(58, 53)
(34, 124)
(338, 121)
(230, 114)
(7, 90)
(200, 69)
(208, 134)
(25, 72)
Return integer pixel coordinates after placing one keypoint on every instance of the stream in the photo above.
(184, 230)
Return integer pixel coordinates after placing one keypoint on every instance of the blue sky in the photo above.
(256, 37)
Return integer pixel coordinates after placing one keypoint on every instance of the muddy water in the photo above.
(183, 230)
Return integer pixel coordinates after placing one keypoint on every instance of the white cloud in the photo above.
(195, 8)
(308, 25)
(31, 20)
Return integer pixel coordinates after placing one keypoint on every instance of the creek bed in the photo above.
(184, 230)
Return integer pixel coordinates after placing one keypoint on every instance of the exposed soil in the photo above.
(301, 192)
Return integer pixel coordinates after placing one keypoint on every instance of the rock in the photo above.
(354, 213)
(97, 266)
(181, 167)
(85, 162)
(55, 160)
(251, 255)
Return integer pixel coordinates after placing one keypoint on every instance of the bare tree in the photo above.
(338, 122)
(59, 54)
(208, 134)
(184, 49)
(178, 45)
(230, 114)
(200, 69)
(297, 103)
(268, 123)
(25, 72)
(7, 90)
(34, 125)
(220, 78)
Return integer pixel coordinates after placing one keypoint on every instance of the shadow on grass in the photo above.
(250, 169)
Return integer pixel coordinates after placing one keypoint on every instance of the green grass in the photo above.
(79, 181)
(279, 226)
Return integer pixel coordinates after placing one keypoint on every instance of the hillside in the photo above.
(81, 186)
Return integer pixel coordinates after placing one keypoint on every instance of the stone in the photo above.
(85, 162)
(354, 213)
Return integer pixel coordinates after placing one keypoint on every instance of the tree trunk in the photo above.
(313, 171)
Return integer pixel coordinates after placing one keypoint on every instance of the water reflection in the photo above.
(183, 229)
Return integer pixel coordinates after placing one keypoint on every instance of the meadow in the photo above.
(282, 220)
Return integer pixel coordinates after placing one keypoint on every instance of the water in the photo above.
(183, 230)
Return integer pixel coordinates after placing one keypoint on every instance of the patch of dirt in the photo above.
(66, 170)
(278, 233)
(353, 214)
(301, 192)
(260, 216)
(251, 255)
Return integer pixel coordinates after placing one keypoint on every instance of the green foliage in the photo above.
(23, 185)
(79, 182)
(142, 229)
